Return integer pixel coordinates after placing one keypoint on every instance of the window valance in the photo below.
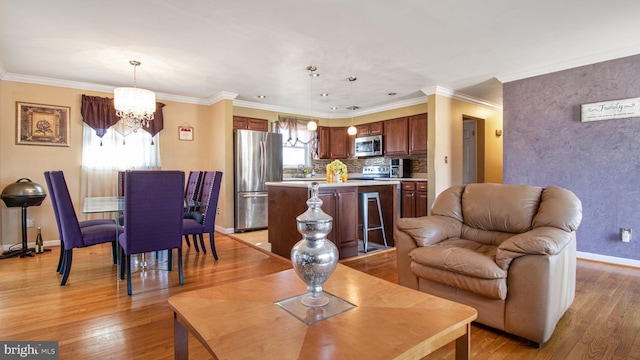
(294, 130)
(100, 114)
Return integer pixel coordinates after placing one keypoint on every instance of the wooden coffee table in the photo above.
(240, 320)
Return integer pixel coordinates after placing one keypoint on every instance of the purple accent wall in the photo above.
(546, 144)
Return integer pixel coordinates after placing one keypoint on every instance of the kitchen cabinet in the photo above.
(339, 143)
(324, 141)
(406, 136)
(418, 134)
(395, 141)
(374, 128)
(246, 123)
(342, 203)
(414, 198)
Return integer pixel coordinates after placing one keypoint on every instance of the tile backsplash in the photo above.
(418, 165)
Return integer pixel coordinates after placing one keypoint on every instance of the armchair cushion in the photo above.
(500, 207)
(539, 241)
(430, 230)
(465, 264)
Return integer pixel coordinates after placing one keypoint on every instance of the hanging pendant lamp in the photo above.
(352, 129)
(312, 125)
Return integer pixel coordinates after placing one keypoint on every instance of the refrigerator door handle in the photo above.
(254, 195)
(263, 161)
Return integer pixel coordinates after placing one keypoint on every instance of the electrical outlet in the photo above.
(625, 234)
(29, 222)
(218, 211)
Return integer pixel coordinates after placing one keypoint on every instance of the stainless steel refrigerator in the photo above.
(258, 159)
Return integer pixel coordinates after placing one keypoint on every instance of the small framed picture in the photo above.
(185, 133)
(38, 124)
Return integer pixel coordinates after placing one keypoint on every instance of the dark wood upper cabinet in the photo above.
(395, 141)
(324, 142)
(245, 123)
(374, 128)
(418, 134)
(339, 143)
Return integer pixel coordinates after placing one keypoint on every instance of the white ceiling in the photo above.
(199, 51)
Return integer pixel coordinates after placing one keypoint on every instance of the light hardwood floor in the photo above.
(92, 316)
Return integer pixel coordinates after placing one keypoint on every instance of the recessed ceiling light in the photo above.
(334, 108)
(391, 93)
(262, 96)
(324, 94)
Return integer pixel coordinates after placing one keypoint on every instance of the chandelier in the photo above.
(133, 105)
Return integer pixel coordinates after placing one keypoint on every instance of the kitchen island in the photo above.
(288, 199)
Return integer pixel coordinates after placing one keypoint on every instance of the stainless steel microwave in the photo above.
(369, 146)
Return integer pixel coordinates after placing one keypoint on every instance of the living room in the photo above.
(543, 143)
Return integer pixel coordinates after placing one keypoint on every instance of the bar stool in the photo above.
(364, 198)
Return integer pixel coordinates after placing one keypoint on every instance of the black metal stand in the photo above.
(25, 251)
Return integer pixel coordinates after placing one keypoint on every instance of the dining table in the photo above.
(107, 204)
(115, 204)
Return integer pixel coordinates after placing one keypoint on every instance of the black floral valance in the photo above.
(100, 114)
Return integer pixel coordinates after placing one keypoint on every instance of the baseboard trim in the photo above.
(31, 245)
(608, 259)
(224, 230)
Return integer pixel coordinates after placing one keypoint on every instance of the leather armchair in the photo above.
(507, 250)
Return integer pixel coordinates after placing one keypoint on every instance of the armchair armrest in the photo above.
(539, 241)
(430, 230)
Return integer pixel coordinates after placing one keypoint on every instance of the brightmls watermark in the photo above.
(41, 350)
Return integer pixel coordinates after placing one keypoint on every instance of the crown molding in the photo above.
(222, 95)
(38, 80)
(439, 90)
(225, 95)
(333, 115)
(3, 72)
(391, 106)
(284, 109)
(570, 64)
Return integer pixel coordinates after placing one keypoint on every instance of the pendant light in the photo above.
(312, 125)
(352, 129)
(133, 105)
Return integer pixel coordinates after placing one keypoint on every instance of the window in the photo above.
(298, 143)
(102, 158)
(293, 155)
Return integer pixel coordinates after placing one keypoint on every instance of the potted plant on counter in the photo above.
(336, 171)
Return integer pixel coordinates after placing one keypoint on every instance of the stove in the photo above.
(370, 172)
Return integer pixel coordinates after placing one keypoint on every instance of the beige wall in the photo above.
(445, 141)
(212, 147)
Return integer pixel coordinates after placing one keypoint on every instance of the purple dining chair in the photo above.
(192, 192)
(153, 210)
(83, 224)
(72, 235)
(211, 183)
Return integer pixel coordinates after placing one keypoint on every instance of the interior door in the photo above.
(469, 152)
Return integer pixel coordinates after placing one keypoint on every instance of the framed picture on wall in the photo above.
(38, 124)
(185, 132)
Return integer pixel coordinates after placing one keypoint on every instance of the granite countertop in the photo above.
(304, 183)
